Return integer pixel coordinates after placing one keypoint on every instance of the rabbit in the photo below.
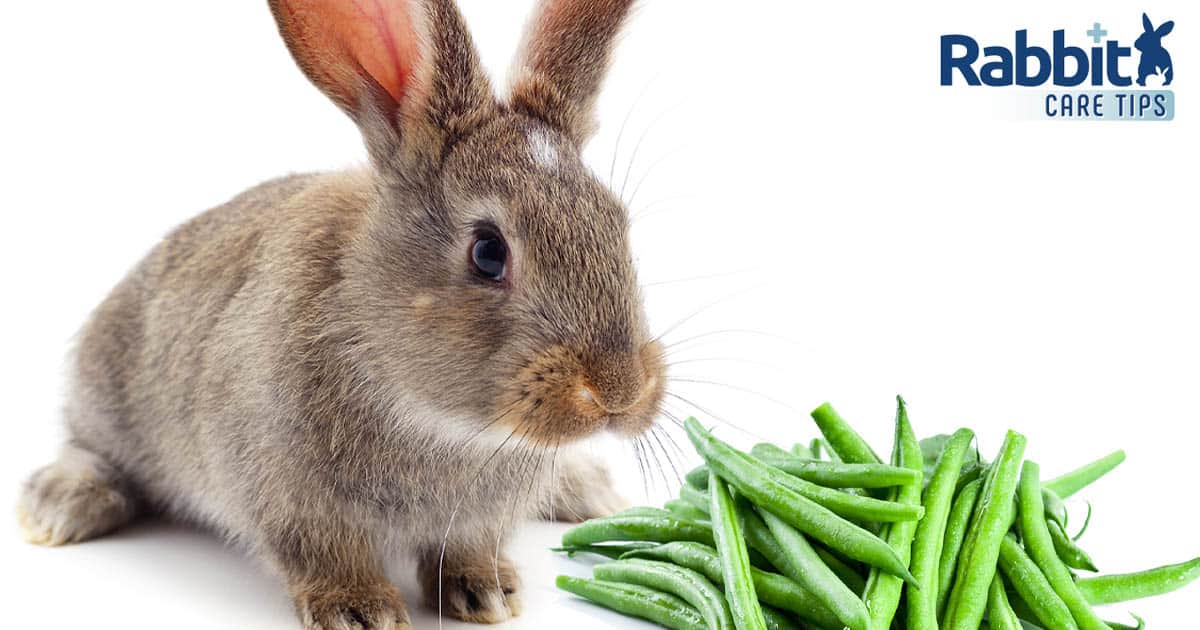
(1154, 57)
(398, 359)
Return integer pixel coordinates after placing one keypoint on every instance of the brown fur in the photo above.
(313, 370)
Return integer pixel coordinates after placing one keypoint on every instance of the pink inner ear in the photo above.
(381, 37)
(344, 38)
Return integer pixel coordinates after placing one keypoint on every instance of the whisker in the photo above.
(713, 276)
(654, 431)
(716, 417)
(738, 388)
(726, 331)
(644, 211)
(512, 516)
(638, 144)
(703, 309)
(650, 170)
(753, 362)
(671, 439)
(457, 507)
(612, 168)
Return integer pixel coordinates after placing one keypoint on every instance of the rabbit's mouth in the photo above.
(562, 396)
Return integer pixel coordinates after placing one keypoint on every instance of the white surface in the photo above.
(875, 234)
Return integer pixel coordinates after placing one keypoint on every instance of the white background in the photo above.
(857, 230)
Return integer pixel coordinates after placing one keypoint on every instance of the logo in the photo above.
(1105, 63)
(1155, 59)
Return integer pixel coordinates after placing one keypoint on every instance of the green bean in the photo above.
(778, 621)
(1070, 553)
(815, 447)
(999, 611)
(956, 533)
(1037, 540)
(882, 595)
(931, 531)
(802, 450)
(686, 584)
(697, 477)
(849, 576)
(735, 562)
(760, 555)
(613, 551)
(993, 516)
(1056, 510)
(685, 510)
(832, 475)
(752, 479)
(806, 568)
(1078, 479)
(616, 528)
(1124, 587)
(842, 438)
(642, 510)
(635, 601)
(772, 588)
(848, 505)
(1035, 591)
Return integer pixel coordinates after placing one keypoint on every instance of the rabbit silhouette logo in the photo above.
(1155, 60)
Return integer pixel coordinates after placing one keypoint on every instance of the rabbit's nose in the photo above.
(616, 382)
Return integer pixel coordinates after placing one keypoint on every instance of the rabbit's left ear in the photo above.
(1147, 24)
(1164, 28)
(568, 45)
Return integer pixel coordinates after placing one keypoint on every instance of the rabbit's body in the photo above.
(331, 368)
(179, 372)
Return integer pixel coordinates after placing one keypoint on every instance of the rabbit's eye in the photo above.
(489, 255)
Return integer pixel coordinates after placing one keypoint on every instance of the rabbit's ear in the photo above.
(567, 47)
(1147, 24)
(1164, 28)
(405, 70)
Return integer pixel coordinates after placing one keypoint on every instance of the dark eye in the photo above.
(489, 255)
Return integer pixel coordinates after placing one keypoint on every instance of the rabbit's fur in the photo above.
(313, 369)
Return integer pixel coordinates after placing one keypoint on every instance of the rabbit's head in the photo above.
(1151, 38)
(493, 285)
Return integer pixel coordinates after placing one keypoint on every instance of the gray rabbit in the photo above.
(332, 366)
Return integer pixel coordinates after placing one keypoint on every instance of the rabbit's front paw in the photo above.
(334, 607)
(484, 591)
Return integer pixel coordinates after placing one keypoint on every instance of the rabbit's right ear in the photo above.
(1164, 28)
(405, 70)
(1147, 24)
(562, 63)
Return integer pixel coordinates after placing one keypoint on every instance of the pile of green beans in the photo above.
(826, 536)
